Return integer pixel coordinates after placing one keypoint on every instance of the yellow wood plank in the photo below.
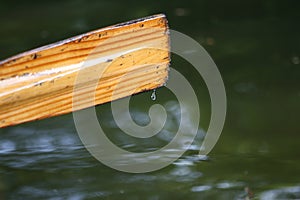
(40, 83)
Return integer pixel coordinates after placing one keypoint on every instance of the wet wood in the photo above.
(83, 71)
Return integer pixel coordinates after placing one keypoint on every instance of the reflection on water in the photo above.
(53, 152)
(51, 163)
(282, 193)
(25, 148)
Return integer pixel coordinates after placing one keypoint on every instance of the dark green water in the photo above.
(256, 46)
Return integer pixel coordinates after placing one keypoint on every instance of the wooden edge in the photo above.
(78, 38)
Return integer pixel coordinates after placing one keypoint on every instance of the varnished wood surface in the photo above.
(83, 71)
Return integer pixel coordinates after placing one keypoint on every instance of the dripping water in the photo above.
(153, 95)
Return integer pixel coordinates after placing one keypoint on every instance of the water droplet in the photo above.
(153, 95)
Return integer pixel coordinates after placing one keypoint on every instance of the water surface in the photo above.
(256, 46)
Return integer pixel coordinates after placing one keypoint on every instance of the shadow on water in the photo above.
(256, 46)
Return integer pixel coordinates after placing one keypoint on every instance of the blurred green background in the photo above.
(256, 46)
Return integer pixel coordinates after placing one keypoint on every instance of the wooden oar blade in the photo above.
(83, 71)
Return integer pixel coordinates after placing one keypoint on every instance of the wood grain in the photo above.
(83, 71)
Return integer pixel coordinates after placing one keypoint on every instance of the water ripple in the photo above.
(31, 148)
(282, 193)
